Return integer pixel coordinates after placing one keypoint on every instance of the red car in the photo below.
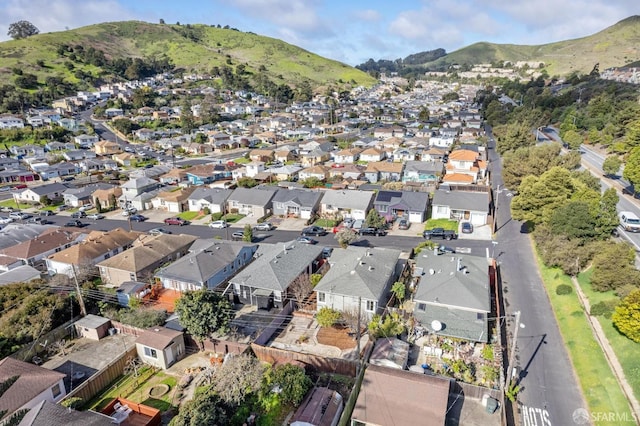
(175, 221)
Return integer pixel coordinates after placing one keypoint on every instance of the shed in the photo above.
(321, 407)
(92, 327)
(129, 290)
(390, 352)
(160, 346)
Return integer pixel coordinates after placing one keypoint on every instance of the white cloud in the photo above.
(300, 15)
(369, 15)
(58, 15)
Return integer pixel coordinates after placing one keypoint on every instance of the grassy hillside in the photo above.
(194, 47)
(615, 46)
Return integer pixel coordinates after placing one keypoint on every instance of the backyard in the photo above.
(599, 386)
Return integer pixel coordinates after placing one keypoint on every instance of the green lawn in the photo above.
(11, 203)
(241, 160)
(451, 225)
(326, 223)
(599, 386)
(626, 350)
(188, 215)
(233, 217)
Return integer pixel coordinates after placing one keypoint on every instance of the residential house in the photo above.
(147, 254)
(7, 263)
(264, 155)
(442, 141)
(215, 199)
(407, 204)
(113, 112)
(300, 203)
(81, 196)
(346, 171)
(318, 155)
(424, 172)
(404, 389)
(144, 134)
(209, 264)
(136, 186)
(33, 251)
(372, 155)
(453, 292)
(11, 122)
(285, 173)
(403, 154)
(95, 165)
(27, 150)
(389, 132)
(469, 206)
(347, 156)
(346, 203)
(95, 248)
(284, 155)
(256, 202)
(160, 347)
(33, 194)
(20, 274)
(433, 154)
(108, 198)
(464, 161)
(45, 413)
(450, 179)
(78, 154)
(48, 172)
(125, 159)
(25, 385)
(86, 141)
(383, 171)
(173, 177)
(359, 275)
(201, 174)
(265, 282)
(175, 201)
(15, 233)
(106, 148)
(318, 172)
(254, 168)
(54, 146)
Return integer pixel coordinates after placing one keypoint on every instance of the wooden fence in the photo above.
(99, 381)
(127, 329)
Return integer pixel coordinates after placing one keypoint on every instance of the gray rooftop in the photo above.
(21, 274)
(435, 166)
(253, 196)
(462, 200)
(348, 199)
(49, 414)
(359, 272)
(48, 188)
(16, 233)
(300, 197)
(92, 321)
(405, 200)
(212, 195)
(277, 265)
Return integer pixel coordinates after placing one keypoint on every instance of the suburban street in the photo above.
(550, 392)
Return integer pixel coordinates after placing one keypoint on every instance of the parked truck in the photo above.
(439, 233)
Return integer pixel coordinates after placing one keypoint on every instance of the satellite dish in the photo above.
(436, 325)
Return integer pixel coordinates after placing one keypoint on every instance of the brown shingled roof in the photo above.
(96, 244)
(158, 337)
(32, 381)
(40, 244)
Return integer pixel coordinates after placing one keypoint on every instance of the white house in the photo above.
(11, 122)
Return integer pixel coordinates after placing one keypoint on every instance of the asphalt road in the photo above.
(550, 392)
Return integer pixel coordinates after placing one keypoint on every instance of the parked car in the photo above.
(264, 226)
(6, 209)
(19, 216)
(313, 231)
(218, 224)
(466, 228)
(68, 178)
(39, 221)
(19, 186)
(358, 224)
(306, 240)
(75, 223)
(46, 213)
(441, 233)
(5, 220)
(85, 208)
(138, 218)
(4, 188)
(158, 231)
(78, 215)
(95, 216)
(326, 252)
(237, 236)
(62, 207)
(348, 222)
(445, 250)
(175, 221)
(370, 230)
(404, 224)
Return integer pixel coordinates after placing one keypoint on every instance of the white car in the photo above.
(218, 224)
(85, 208)
(95, 216)
(5, 220)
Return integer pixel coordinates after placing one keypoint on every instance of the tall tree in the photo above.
(237, 378)
(626, 317)
(632, 167)
(22, 29)
(203, 312)
(374, 219)
(611, 165)
(291, 382)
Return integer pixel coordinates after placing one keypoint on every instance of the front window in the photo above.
(151, 353)
(370, 306)
(422, 307)
(321, 297)
(56, 391)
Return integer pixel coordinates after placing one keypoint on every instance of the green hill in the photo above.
(615, 46)
(191, 47)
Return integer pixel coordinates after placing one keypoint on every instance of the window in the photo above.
(56, 391)
(321, 297)
(151, 353)
(370, 306)
(422, 307)
(442, 209)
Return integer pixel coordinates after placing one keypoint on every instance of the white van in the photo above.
(629, 221)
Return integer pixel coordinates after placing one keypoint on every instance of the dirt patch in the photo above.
(336, 336)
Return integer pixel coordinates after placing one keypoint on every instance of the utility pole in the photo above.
(358, 335)
(83, 308)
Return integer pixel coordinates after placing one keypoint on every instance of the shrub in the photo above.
(216, 216)
(563, 289)
(604, 308)
(327, 317)
(73, 402)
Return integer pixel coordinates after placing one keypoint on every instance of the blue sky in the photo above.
(350, 31)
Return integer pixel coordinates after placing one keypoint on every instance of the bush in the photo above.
(216, 216)
(327, 317)
(563, 289)
(604, 308)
